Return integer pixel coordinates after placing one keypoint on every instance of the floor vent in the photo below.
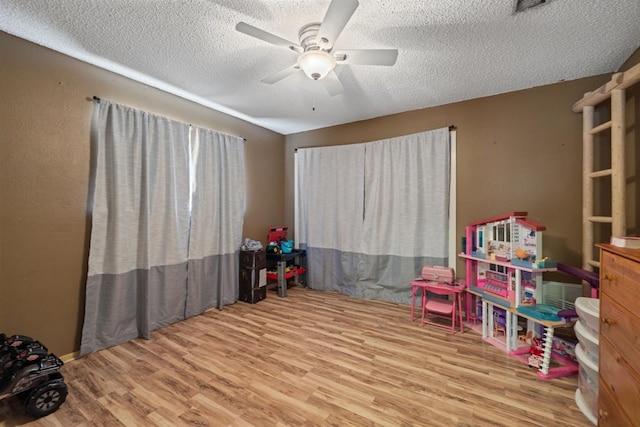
(522, 5)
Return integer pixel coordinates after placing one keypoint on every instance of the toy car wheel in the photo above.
(46, 399)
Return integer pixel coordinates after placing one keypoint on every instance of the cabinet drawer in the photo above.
(253, 296)
(621, 328)
(609, 414)
(253, 259)
(253, 278)
(620, 379)
(620, 280)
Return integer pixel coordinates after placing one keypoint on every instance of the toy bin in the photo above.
(587, 393)
(588, 341)
(588, 310)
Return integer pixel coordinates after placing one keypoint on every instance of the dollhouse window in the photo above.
(500, 232)
(498, 268)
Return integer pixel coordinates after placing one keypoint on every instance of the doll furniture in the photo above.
(434, 283)
(499, 323)
(419, 284)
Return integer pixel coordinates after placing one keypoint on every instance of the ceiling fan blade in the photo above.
(252, 31)
(367, 56)
(334, 21)
(332, 83)
(280, 74)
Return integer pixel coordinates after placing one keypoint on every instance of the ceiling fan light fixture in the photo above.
(316, 64)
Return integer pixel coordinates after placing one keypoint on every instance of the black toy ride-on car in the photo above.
(29, 371)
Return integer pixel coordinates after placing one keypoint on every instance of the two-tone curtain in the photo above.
(147, 267)
(329, 212)
(371, 215)
(218, 189)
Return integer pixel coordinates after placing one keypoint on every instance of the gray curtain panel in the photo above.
(218, 185)
(150, 260)
(329, 213)
(371, 215)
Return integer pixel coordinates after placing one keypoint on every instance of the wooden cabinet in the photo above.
(619, 370)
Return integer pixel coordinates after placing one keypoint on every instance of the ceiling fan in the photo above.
(316, 58)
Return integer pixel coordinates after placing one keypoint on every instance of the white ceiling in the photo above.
(449, 50)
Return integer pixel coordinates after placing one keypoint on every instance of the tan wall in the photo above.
(519, 151)
(44, 171)
(632, 151)
(631, 61)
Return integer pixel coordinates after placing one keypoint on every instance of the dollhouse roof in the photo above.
(499, 218)
(532, 225)
(520, 219)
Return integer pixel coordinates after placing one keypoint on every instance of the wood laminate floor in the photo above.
(311, 359)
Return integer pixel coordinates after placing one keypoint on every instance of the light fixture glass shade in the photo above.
(316, 64)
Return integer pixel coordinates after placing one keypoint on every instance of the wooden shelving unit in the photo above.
(614, 91)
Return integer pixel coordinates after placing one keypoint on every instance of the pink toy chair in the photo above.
(441, 281)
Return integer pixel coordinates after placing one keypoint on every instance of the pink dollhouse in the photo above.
(511, 247)
(504, 267)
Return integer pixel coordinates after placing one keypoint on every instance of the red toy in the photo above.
(535, 353)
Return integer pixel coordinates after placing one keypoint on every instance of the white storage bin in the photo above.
(588, 341)
(589, 312)
(587, 383)
(590, 366)
(586, 410)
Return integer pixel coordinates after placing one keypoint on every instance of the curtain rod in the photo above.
(295, 150)
(97, 99)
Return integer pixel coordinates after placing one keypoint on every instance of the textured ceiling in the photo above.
(449, 50)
